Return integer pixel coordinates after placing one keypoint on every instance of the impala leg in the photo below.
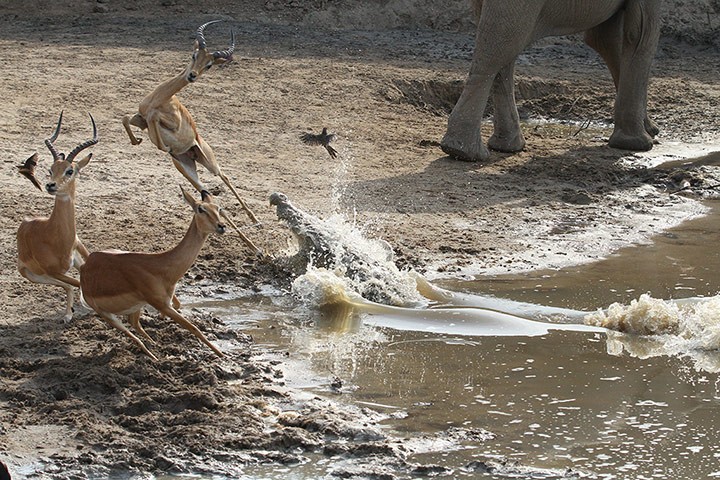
(82, 250)
(244, 206)
(69, 303)
(175, 302)
(170, 312)
(67, 282)
(134, 319)
(185, 163)
(206, 157)
(61, 280)
(113, 321)
(137, 121)
(66, 279)
(153, 129)
(244, 238)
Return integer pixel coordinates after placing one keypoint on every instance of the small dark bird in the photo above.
(324, 138)
(27, 170)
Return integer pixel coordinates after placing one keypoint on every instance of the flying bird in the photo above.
(27, 170)
(324, 138)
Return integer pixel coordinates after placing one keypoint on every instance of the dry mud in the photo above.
(78, 401)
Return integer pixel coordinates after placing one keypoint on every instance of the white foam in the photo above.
(359, 264)
(649, 327)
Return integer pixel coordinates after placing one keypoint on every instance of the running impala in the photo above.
(116, 283)
(49, 247)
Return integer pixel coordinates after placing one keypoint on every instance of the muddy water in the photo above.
(553, 398)
(682, 262)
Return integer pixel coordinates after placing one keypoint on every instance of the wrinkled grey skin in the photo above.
(624, 32)
(313, 243)
(378, 280)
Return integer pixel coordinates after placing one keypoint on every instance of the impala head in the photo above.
(208, 215)
(65, 169)
(203, 59)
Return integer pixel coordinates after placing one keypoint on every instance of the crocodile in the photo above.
(367, 265)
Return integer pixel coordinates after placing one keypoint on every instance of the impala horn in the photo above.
(200, 36)
(49, 141)
(88, 143)
(227, 54)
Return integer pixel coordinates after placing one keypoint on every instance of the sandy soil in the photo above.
(78, 399)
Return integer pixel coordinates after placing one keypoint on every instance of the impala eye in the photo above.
(201, 209)
(208, 66)
(69, 172)
(195, 55)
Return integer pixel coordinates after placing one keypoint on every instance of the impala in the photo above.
(116, 283)
(49, 247)
(171, 127)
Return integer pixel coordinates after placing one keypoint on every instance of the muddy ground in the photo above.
(78, 401)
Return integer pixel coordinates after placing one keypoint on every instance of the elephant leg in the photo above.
(507, 136)
(606, 40)
(641, 30)
(501, 35)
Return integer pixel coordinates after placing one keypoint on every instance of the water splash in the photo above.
(323, 288)
(650, 327)
(366, 265)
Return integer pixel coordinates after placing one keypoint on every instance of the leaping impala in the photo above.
(171, 127)
(49, 247)
(116, 283)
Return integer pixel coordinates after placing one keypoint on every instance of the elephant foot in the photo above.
(473, 151)
(651, 127)
(623, 141)
(510, 143)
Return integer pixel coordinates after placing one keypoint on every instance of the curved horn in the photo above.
(200, 36)
(227, 53)
(88, 143)
(49, 142)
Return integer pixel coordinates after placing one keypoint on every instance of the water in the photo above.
(523, 357)
(487, 354)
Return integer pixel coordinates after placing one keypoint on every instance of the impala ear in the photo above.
(189, 199)
(81, 164)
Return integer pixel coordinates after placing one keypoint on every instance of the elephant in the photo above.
(624, 32)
